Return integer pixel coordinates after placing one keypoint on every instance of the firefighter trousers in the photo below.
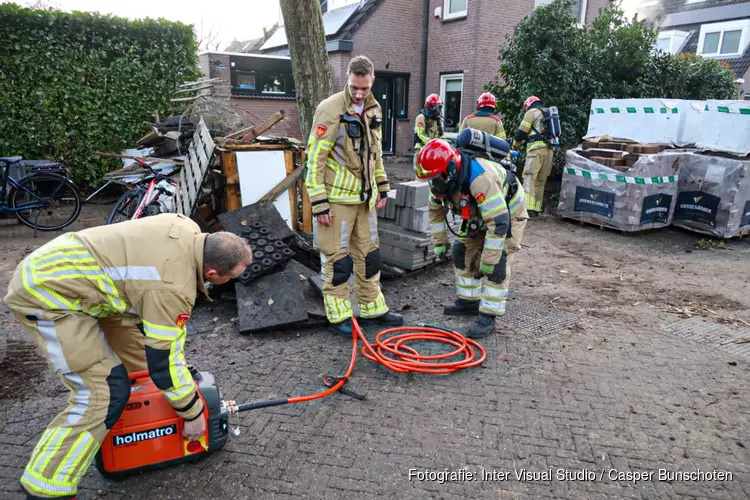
(535, 173)
(491, 291)
(350, 244)
(98, 384)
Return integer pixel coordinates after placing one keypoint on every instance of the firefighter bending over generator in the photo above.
(490, 202)
(347, 182)
(106, 301)
(484, 118)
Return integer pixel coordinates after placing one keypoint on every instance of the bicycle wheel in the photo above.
(46, 201)
(126, 206)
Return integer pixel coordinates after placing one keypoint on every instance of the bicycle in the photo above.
(39, 193)
(152, 195)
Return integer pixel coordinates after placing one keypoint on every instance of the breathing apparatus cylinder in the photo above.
(476, 141)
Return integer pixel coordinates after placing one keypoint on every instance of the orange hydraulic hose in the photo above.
(394, 354)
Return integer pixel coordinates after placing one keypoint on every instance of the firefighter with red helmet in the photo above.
(428, 124)
(484, 118)
(490, 202)
(538, 154)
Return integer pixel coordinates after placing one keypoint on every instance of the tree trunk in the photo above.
(303, 23)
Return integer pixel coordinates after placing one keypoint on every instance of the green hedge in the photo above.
(75, 83)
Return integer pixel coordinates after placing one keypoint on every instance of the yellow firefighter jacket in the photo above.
(424, 130)
(489, 190)
(486, 122)
(147, 270)
(532, 125)
(344, 153)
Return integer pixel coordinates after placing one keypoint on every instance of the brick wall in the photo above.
(261, 108)
(391, 36)
(339, 63)
(258, 108)
(471, 44)
(218, 67)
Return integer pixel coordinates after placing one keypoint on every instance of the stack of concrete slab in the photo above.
(404, 227)
(407, 206)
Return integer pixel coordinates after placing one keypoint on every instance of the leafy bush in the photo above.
(75, 83)
(568, 66)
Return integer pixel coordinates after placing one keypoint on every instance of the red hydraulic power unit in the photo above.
(148, 434)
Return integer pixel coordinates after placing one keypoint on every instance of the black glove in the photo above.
(500, 272)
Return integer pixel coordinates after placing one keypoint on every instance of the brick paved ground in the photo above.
(602, 387)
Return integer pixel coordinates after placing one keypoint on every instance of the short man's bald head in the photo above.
(224, 251)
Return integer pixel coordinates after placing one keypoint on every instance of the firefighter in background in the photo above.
(538, 154)
(105, 301)
(428, 124)
(484, 118)
(346, 182)
(490, 201)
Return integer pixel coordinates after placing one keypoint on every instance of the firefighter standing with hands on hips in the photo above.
(428, 124)
(490, 202)
(106, 301)
(538, 154)
(346, 182)
(484, 118)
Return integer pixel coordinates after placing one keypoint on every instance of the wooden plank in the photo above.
(282, 186)
(307, 224)
(144, 158)
(183, 91)
(191, 165)
(293, 211)
(257, 146)
(198, 82)
(232, 186)
(202, 160)
(187, 99)
(249, 134)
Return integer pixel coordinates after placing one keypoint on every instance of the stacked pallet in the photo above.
(629, 198)
(713, 195)
(404, 227)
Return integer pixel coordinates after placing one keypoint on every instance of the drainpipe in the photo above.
(425, 28)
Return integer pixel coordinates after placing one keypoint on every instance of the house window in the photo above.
(671, 41)
(578, 9)
(246, 80)
(724, 39)
(451, 91)
(273, 82)
(454, 9)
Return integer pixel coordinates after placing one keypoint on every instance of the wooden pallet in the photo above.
(200, 156)
(584, 220)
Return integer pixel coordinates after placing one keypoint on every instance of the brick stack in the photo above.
(404, 227)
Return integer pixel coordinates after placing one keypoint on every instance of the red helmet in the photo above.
(435, 157)
(528, 102)
(486, 99)
(433, 101)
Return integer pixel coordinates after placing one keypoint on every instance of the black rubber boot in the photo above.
(388, 319)
(533, 213)
(344, 328)
(483, 326)
(462, 307)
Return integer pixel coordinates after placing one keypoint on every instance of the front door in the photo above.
(384, 91)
